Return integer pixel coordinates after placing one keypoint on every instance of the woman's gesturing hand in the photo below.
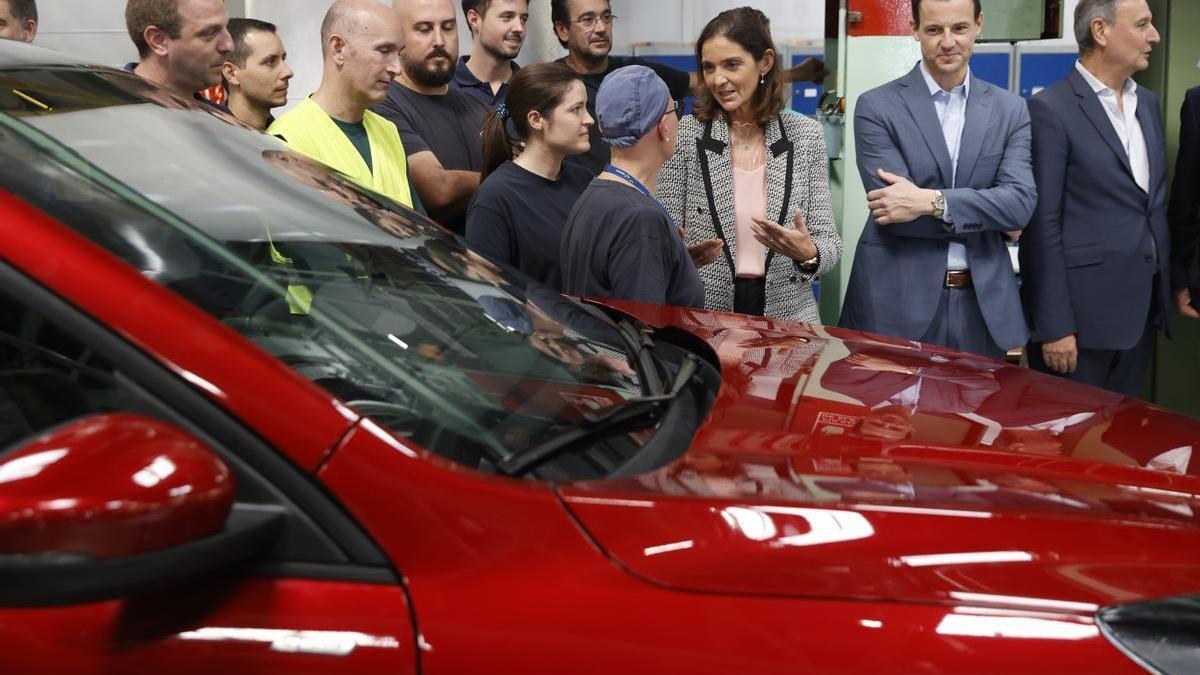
(796, 244)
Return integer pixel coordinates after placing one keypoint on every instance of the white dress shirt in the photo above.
(951, 107)
(1125, 123)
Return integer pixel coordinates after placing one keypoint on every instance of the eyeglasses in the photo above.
(678, 110)
(589, 21)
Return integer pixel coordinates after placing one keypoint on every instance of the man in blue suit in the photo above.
(945, 158)
(1095, 257)
(1183, 211)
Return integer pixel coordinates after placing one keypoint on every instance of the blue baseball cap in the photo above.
(629, 105)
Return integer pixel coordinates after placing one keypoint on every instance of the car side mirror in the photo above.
(114, 504)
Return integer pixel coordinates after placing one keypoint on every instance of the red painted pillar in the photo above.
(879, 17)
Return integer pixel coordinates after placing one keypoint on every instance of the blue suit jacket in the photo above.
(1183, 211)
(1087, 264)
(896, 283)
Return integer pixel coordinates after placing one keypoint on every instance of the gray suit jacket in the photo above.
(899, 269)
(696, 186)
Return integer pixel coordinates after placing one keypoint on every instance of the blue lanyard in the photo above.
(638, 185)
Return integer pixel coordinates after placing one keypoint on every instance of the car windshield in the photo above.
(366, 298)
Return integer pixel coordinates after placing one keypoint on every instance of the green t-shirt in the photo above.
(357, 133)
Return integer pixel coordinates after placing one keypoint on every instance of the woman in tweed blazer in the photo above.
(788, 235)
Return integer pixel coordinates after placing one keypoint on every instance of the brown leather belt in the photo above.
(958, 279)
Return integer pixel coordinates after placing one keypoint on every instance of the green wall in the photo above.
(869, 62)
(1173, 70)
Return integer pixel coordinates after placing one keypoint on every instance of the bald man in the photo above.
(440, 125)
(360, 44)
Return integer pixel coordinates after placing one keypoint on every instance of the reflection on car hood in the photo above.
(841, 464)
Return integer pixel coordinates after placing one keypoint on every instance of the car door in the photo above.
(322, 599)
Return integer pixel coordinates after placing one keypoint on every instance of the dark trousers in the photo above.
(1119, 370)
(750, 295)
(959, 324)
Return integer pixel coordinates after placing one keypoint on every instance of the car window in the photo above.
(47, 377)
(57, 366)
(381, 307)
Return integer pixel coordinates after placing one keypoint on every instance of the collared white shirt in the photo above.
(1125, 123)
(908, 398)
(951, 108)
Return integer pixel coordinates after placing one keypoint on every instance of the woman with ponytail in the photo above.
(517, 215)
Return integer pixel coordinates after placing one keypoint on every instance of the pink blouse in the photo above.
(749, 201)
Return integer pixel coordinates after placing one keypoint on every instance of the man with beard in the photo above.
(585, 29)
(182, 44)
(499, 30)
(439, 125)
(256, 74)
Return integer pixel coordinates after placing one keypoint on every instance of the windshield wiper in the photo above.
(639, 346)
(630, 415)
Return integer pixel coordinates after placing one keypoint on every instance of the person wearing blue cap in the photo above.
(619, 240)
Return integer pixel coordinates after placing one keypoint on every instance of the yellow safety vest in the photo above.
(309, 130)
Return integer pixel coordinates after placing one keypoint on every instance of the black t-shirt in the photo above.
(620, 243)
(448, 125)
(677, 82)
(517, 217)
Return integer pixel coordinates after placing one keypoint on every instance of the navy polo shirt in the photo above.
(466, 81)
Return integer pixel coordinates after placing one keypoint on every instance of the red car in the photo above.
(259, 420)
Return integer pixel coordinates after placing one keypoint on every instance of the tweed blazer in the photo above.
(696, 186)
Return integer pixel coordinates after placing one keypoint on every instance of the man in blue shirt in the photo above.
(498, 27)
(181, 45)
(946, 160)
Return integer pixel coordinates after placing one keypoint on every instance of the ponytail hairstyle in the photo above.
(751, 30)
(539, 87)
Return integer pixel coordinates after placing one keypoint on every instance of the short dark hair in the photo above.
(560, 12)
(238, 28)
(750, 29)
(916, 5)
(480, 6)
(23, 10)
(141, 14)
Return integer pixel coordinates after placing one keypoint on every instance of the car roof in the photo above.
(14, 53)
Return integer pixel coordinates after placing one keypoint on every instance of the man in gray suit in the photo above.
(946, 160)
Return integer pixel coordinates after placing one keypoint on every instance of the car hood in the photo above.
(841, 464)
